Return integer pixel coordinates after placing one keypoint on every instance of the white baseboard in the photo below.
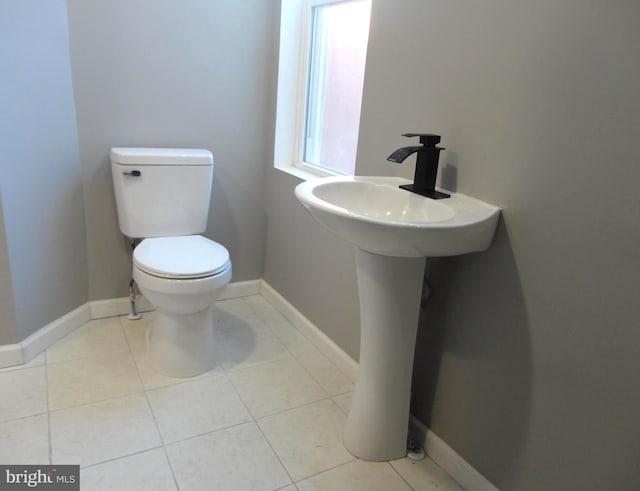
(44, 337)
(36, 343)
(239, 289)
(10, 355)
(112, 307)
(447, 458)
(325, 344)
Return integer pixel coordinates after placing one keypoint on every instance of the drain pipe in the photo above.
(415, 451)
(133, 315)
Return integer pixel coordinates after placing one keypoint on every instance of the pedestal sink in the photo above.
(394, 231)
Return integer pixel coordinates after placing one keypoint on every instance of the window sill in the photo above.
(306, 173)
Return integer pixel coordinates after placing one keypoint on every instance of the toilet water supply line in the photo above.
(133, 315)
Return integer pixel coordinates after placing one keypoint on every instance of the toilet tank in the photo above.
(162, 192)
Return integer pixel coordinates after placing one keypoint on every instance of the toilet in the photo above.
(162, 197)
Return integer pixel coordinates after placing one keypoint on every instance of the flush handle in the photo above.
(133, 173)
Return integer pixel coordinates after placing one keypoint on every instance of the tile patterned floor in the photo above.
(269, 416)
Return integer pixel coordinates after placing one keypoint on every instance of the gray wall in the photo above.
(174, 74)
(39, 169)
(8, 326)
(527, 358)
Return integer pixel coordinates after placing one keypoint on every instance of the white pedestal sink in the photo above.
(393, 231)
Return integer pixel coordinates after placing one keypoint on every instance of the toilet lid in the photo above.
(183, 257)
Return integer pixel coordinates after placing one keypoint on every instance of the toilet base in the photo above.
(181, 345)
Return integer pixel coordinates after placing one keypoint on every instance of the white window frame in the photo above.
(293, 79)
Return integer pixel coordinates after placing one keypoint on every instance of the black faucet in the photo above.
(424, 181)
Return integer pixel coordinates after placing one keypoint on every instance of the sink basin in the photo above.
(377, 216)
(394, 232)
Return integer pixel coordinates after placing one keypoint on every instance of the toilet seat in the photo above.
(181, 257)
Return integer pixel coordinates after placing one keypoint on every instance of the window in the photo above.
(323, 48)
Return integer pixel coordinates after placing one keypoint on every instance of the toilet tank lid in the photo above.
(161, 156)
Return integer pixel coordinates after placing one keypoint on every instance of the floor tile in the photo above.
(308, 439)
(147, 471)
(246, 346)
(293, 340)
(275, 386)
(92, 379)
(234, 308)
(193, 408)
(25, 441)
(237, 458)
(101, 431)
(135, 333)
(344, 401)
(96, 337)
(134, 330)
(357, 475)
(23, 393)
(92, 384)
(425, 475)
(36, 361)
(263, 309)
(326, 373)
(224, 321)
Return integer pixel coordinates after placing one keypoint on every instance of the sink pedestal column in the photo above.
(390, 289)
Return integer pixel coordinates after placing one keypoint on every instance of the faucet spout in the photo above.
(402, 153)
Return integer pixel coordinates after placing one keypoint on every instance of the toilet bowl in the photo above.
(181, 277)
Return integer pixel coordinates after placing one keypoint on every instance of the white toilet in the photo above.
(162, 196)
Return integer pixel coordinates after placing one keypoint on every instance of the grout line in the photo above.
(130, 350)
(275, 453)
(400, 474)
(89, 357)
(353, 459)
(97, 401)
(286, 486)
(308, 372)
(260, 418)
(10, 420)
(185, 380)
(199, 435)
(146, 396)
(119, 396)
(112, 459)
(255, 422)
(316, 377)
(342, 410)
(164, 446)
(17, 368)
(257, 364)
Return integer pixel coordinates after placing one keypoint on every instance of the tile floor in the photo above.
(269, 416)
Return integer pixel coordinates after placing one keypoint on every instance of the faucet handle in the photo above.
(426, 139)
